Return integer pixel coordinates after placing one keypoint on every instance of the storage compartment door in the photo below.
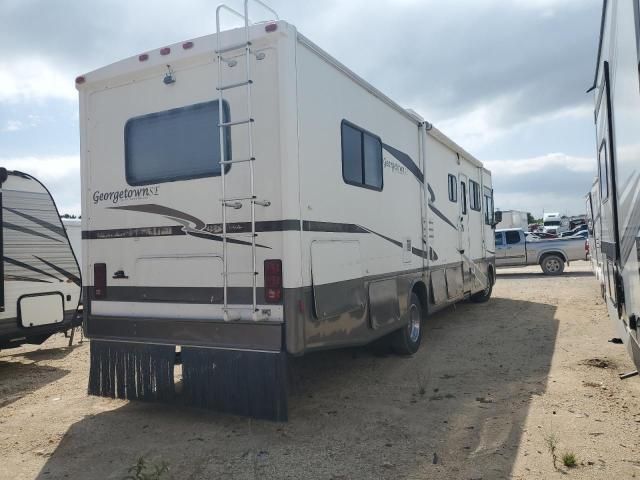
(336, 270)
(41, 309)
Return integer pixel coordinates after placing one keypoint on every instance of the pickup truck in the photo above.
(514, 250)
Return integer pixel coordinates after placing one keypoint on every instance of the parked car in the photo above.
(513, 249)
(576, 230)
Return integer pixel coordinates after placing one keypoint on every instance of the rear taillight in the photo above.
(100, 280)
(273, 281)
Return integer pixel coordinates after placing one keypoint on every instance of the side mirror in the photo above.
(3, 175)
(497, 217)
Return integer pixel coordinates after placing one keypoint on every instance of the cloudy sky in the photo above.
(504, 78)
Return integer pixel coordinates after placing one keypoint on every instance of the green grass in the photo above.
(569, 460)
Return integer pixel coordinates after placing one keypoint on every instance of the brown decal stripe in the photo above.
(26, 266)
(62, 271)
(49, 226)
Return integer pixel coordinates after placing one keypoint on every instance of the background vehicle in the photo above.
(41, 286)
(513, 219)
(555, 223)
(514, 250)
(258, 224)
(574, 231)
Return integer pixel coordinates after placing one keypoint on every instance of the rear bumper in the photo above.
(237, 335)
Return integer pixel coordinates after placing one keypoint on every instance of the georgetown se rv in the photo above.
(617, 114)
(246, 198)
(41, 286)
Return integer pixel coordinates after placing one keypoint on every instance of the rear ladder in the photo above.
(237, 202)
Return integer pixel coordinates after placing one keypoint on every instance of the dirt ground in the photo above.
(490, 387)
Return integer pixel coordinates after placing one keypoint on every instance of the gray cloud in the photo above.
(516, 62)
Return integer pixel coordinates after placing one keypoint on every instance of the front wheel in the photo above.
(406, 341)
(552, 265)
(484, 295)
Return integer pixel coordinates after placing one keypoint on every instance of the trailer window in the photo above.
(361, 157)
(453, 188)
(474, 196)
(488, 206)
(499, 240)
(463, 189)
(177, 144)
(603, 171)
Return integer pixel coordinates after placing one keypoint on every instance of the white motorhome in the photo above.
(247, 197)
(617, 114)
(554, 223)
(41, 285)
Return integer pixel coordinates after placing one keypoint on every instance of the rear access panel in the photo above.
(40, 309)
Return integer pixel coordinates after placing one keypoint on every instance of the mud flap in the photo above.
(133, 371)
(253, 384)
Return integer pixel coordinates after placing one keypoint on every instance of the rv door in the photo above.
(463, 217)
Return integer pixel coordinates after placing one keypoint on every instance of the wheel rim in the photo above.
(553, 265)
(414, 323)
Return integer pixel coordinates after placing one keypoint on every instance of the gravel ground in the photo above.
(492, 386)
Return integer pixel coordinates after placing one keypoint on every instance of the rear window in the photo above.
(177, 144)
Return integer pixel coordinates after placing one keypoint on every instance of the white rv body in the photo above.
(352, 251)
(617, 115)
(73, 228)
(513, 219)
(41, 279)
(594, 227)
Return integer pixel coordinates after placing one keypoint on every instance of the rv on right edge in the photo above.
(617, 116)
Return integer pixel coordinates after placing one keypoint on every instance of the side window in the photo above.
(453, 188)
(603, 168)
(474, 196)
(488, 206)
(463, 189)
(499, 239)
(361, 157)
(512, 237)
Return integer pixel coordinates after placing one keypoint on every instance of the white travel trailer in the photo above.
(513, 219)
(41, 284)
(617, 116)
(73, 228)
(247, 197)
(594, 228)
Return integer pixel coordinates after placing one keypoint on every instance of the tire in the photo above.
(406, 341)
(552, 264)
(484, 295)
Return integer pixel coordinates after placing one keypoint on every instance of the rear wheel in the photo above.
(484, 295)
(406, 341)
(552, 265)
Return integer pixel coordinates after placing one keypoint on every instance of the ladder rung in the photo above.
(237, 122)
(229, 162)
(233, 47)
(234, 85)
(233, 199)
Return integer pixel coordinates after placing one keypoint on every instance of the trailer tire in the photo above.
(406, 341)
(484, 295)
(552, 264)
